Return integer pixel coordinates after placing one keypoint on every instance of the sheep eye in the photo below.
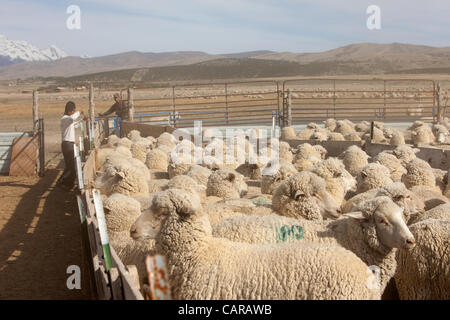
(299, 196)
(277, 179)
(383, 221)
(338, 174)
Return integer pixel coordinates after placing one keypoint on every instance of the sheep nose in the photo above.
(410, 243)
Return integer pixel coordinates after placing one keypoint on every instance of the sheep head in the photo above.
(383, 224)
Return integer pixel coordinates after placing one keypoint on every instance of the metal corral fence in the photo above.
(267, 102)
(394, 100)
(218, 104)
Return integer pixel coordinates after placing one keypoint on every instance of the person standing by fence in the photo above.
(68, 123)
(118, 107)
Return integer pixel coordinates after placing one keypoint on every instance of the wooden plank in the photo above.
(130, 291)
(116, 284)
(24, 155)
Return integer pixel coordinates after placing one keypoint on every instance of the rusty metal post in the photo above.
(41, 147)
(35, 112)
(130, 105)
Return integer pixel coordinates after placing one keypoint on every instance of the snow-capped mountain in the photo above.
(14, 51)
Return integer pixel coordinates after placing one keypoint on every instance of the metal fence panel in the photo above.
(6, 144)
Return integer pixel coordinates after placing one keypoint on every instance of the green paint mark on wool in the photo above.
(289, 233)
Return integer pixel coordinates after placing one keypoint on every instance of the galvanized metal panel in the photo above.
(6, 142)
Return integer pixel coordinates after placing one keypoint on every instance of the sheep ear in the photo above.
(355, 215)
(363, 174)
(231, 177)
(120, 174)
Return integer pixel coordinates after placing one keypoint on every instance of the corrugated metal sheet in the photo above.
(6, 142)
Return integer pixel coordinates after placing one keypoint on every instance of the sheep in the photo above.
(179, 164)
(378, 136)
(338, 180)
(305, 134)
(330, 124)
(186, 239)
(440, 178)
(405, 153)
(372, 176)
(156, 159)
(121, 151)
(363, 126)
(140, 148)
(431, 196)
(440, 132)
(120, 214)
(354, 159)
(344, 127)
(220, 210)
(101, 155)
(419, 172)
(270, 182)
(307, 152)
(125, 142)
(166, 139)
(321, 151)
(336, 136)
(374, 233)
(288, 133)
(392, 163)
(313, 125)
(422, 136)
(227, 184)
(304, 195)
(184, 182)
(122, 178)
(199, 174)
(423, 273)
(352, 137)
(412, 205)
(284, 152)
(134, 135)
(319, 135)
(111, 141)
(441, 211)
(397, 139)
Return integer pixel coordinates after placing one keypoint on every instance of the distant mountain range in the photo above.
(16, 51)
(362, 58)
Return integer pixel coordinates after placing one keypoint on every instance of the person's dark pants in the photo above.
(69, 175)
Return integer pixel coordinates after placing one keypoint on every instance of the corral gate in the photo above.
(263, 103)
(395, 100)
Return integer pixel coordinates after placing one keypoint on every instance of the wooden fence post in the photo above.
(440, 103)
(288, 118)
(130, 105)
(35, 112)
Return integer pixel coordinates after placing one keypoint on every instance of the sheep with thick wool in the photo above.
(156, 159)
(392, 163)
(122, 178)
(184, 182)
(304, 195)
(281, 172)
(140, 148)
(354, 159)
(125, 142)
(423, 273)
(199, 174)
(192, 252)
(373, 233)
(305, 134)
(226, 183)
(338, 180)
(372, 176)
(288, 133)
(405, 153)
(431, 196)
(166, 139)
(419, 172)
(412, 205)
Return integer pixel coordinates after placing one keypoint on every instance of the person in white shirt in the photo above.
(68, 122)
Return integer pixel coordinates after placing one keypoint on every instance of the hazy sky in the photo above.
(222, 26)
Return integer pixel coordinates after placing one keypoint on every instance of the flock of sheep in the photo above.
(420, 133)
(311, 227)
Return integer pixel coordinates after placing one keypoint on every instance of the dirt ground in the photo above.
(40, 237)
